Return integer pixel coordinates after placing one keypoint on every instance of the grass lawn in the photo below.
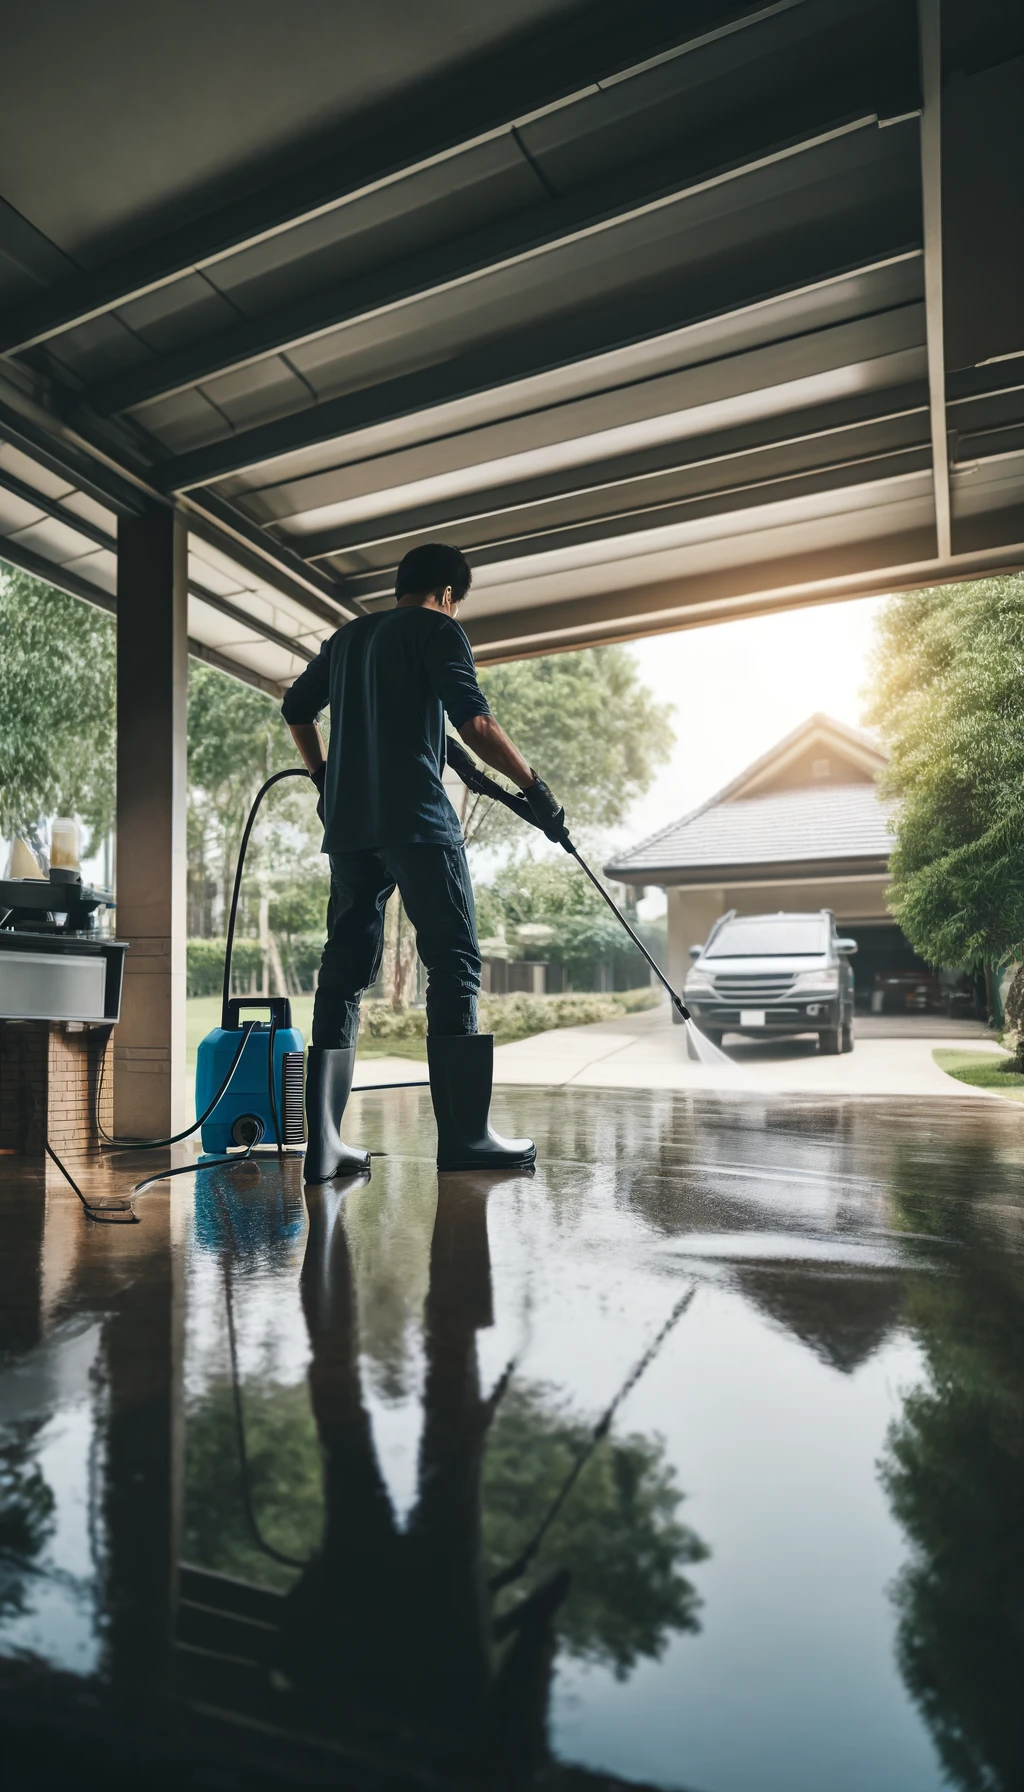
(982, 1070)
(203, 1012)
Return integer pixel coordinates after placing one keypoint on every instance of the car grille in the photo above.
(753, 988)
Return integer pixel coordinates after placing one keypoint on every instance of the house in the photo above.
(802, 828)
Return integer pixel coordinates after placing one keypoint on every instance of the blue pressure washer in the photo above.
(264, 1096)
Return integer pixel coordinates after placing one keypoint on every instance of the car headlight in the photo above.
(817, 979)
(698, 983)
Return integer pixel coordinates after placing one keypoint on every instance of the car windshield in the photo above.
(785, 938)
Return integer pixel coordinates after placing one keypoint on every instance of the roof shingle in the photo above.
(838, 821)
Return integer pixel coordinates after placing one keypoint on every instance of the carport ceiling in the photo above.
(664, 312)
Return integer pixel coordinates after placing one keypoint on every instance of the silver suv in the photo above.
(773, 974)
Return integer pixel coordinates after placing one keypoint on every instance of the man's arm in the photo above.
(310, 742)
(491, 744)
(454, 681)
(302, 704)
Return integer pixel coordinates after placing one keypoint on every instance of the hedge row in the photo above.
(301, 958)
(205, 963)
(512, 1017)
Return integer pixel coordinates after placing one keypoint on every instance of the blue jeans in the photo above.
(438, 897)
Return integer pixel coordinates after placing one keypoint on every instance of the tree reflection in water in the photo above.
(954, 1471)
(27, 1512)
(619, 1536)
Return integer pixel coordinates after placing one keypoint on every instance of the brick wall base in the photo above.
(48, 1082)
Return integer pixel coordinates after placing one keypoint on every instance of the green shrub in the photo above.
(510, 1017)
(382, 1021)
(204, 972)
(520, 1016)
(634, 1001)
(300, 956)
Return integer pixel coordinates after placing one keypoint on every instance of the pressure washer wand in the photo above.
(677, 1001)
(475, 779)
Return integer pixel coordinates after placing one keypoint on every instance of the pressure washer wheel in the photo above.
(247, 1130)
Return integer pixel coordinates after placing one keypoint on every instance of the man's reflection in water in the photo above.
(393, 1630)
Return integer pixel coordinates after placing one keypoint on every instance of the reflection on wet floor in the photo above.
(695, 1460)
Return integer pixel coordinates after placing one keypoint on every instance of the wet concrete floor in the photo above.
(695, 1460)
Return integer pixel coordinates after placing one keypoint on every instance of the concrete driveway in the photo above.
(892, 1056)
(646, 1051)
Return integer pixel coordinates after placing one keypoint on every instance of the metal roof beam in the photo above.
(60, 576)
(55, 507)
(226, 528)
(901, 563)
(505, 244)
(126, 488)
(513, 366)
(79, 587)
(931, 197)
(265, 630)
(212, 656)
(573, 57)
(753, 493)
(90, 531)
(76, 586)
(52, 450)
(616, 477)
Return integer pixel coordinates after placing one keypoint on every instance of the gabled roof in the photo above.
(825, 829)
(858, 749)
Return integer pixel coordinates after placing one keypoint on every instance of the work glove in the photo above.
(319, 778)
(545, 812)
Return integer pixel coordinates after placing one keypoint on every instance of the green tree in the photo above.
(57, 728)
(554, 893)
(236, 739)
(588, 724)
(949, 702)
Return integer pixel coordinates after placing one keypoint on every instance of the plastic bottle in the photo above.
(65, 844)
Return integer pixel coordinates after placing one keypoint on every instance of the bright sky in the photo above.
(739, 687)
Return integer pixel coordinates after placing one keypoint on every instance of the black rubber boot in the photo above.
(461, 1074)
(328, 1087)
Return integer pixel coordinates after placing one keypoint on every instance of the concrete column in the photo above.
(152, 705)
(691, 916)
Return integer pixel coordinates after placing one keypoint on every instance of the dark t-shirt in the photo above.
(389, 680)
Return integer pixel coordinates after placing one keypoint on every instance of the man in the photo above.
(389, 679)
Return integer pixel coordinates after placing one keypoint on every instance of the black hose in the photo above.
(270, 1083)
(176, 1139)
(247, 1026)
(291, 771)
(120, 1215)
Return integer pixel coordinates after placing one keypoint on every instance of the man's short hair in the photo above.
(430, 568)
